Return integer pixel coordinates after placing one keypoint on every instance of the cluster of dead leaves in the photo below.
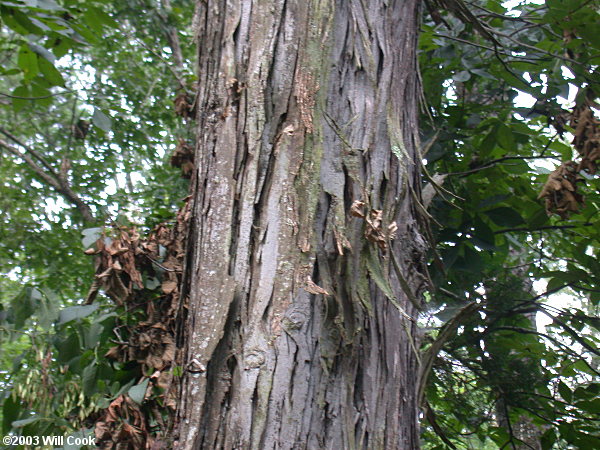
(560, 192)
(127, 267)
(374, 231)
(184, 105)
(117, 273)
(587, 135)
(80, 129)
(183, 158)
(124, 426)
(153, 347)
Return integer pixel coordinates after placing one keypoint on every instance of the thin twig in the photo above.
(485, 47)
(534, 48)
(547, 227)
(569, 330)
(36, 98)
(493, 162)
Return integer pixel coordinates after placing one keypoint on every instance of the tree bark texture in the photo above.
(299, 329)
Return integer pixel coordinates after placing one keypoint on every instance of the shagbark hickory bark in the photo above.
(299, 330)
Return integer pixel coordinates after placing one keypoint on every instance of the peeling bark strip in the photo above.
(297, 333)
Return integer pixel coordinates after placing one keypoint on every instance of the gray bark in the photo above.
(299, 332)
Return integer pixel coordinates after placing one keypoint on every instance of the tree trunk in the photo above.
(299, 329)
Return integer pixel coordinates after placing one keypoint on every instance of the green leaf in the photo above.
(548, 439)
(24, 305)
(514, 80)
(538, 219)
(505, 137)
(10, 412)
(482, 235)
(590, 406)
(104, 18)
(41, 25)
(499, 435)
(138, 392)
(28, 62)
(151, 283)
(450, 311)
(24, 422)
(90, 236)
(20, 96)
(86, 35)
(47, 310)
(555, 283)
(26, 23)
(376, 273)
(517, 167)
(566, 151)
(92, 337)
(565, 392)
(50, 73)
(492, 200)
(43, 52)
(470, 260)
(566, 276)
(88, 378)
(101, 120)
(462, 76)
(68, 348)
(505, 217)
(567, 431)
(7, 72)
(76, 312)
(49, 5)
(488, 143)
(592, 390)
(483, 73)
(582, 366)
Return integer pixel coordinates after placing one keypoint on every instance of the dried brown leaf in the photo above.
(311, 286)
(169, 286)
(357, 209)
(113, 352)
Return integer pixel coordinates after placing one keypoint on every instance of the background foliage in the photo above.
(86, 101)
(87, 125)
(500, 86)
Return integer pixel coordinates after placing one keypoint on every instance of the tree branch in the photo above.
(431, 418)
(53, 181)
(172, 36)
(485, 47)
(33, 152)
(49, 180)
(445, 333)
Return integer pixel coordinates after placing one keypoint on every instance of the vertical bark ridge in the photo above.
(293, 339)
